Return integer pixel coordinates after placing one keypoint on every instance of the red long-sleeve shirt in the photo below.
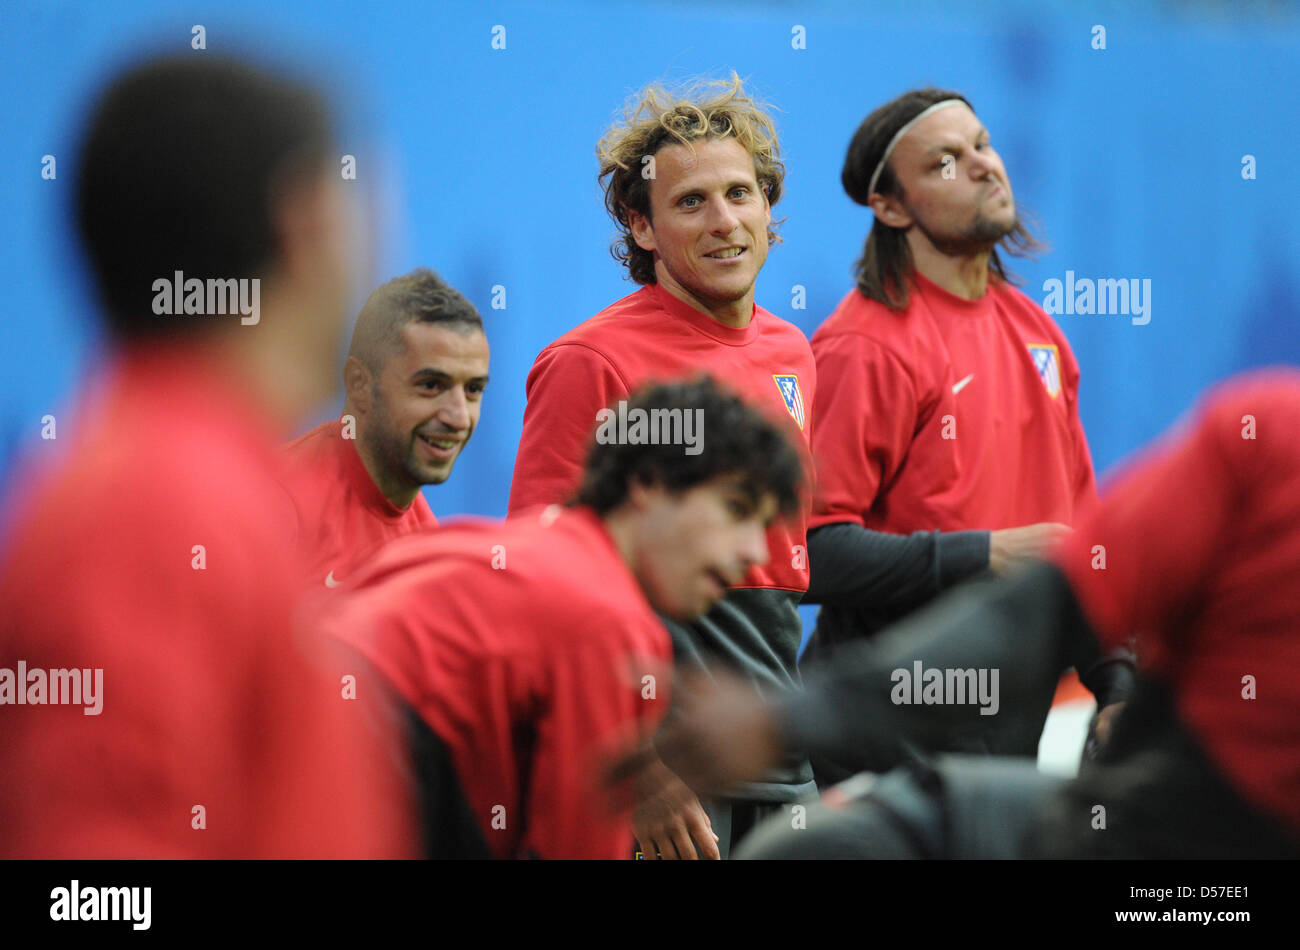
(651, 335)
(648, 336)
(1197, 546)
(525, 647)
(158, 549)
(952, 414)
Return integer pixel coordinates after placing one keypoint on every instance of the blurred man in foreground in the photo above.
(154, 557)
(1196, 545)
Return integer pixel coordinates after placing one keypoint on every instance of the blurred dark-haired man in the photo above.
(522, 651)
(414, 376)
(955, 444)
(155, 553)
(1194, 545)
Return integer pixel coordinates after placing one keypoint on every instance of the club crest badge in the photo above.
(1047, 360)
(791, 395)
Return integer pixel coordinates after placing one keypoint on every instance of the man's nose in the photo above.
(454, 410)
(722, 217)
(982, 165)
(755, 550)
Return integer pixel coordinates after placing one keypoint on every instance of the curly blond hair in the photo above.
(658, 116)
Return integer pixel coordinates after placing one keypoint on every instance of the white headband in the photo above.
(875, 177)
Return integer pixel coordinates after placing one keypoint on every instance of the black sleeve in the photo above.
(446, 820)
(1028, 627)
(850, 565)
(1112, 678)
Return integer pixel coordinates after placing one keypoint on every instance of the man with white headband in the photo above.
(954, 445)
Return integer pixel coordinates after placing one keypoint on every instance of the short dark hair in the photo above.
(418, 297)
(886, 262)
(740, 442)
(177, 172)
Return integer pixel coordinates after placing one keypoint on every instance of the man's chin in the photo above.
(995, 228)
(431, 476)
(725, 295)
(687, 613)
(978, 242)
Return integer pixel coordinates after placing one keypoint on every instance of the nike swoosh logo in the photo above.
(958, 387)
(330, 581)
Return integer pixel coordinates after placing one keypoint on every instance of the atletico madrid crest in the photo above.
(1047, 360)
(788, 384)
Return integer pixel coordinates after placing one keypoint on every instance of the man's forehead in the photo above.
(940, 128)
(422, 342)
(741, 483)
(677, 165)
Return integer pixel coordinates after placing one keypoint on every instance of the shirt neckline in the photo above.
(929, 289)
(679, 309)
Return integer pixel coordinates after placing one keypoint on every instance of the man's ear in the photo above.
(889, 210)
(642, 231)
(357, 383)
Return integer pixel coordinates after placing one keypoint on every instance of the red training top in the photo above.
(342, 514)
(950, 415)
(524, 646)
(649, 336)
(158, 550)
(1197, 545)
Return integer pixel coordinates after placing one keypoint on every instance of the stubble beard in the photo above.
(981, 235)
(396, 453)
(710, 297)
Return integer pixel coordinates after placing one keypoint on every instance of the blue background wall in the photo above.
(481, 163)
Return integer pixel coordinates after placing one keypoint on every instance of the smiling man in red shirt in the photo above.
(690, 178)
(415, 377)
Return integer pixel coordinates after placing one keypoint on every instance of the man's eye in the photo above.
(690, 198)
(739, 509)
(742, 192)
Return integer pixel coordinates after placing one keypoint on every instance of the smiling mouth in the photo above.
(727, 254)
(442, 445)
